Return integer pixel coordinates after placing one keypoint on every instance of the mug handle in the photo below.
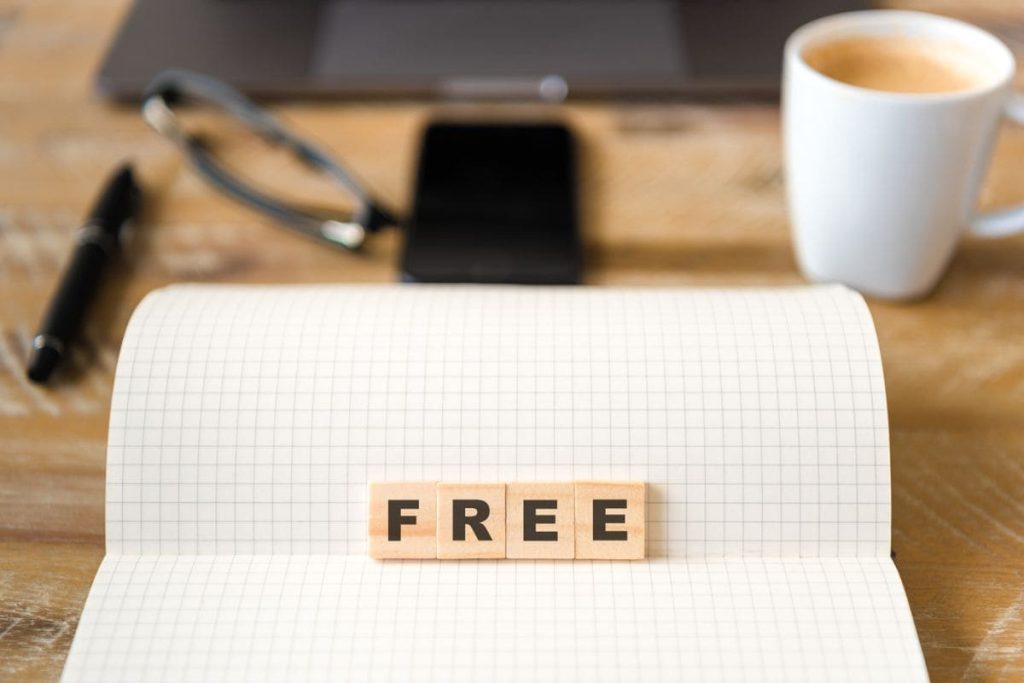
(1005, 221)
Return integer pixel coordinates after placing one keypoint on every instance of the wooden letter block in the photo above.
(470, 521)
(611, 520)
(540, 521)
(403, 520)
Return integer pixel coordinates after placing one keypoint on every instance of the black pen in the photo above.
(97, 242)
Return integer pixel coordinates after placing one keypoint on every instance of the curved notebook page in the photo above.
(247, 422)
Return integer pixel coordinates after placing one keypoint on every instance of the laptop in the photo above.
(520, 49)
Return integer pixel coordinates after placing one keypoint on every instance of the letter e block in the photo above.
(470, 521)
(611, 520)
(403, 520)
(540, 521)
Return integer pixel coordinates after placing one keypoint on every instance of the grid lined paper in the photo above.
(247, 422)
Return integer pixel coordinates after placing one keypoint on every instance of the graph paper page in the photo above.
(247, 422)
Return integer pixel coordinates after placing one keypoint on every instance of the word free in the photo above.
(582, 520)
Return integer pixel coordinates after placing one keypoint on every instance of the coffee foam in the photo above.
(899, 63)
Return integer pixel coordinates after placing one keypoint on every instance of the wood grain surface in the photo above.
(672, 193)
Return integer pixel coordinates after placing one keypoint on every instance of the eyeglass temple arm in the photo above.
(349, 235)
(172, 85)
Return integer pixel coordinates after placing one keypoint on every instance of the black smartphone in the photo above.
(494, 203)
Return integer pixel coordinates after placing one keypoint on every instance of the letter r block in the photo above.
(403, 520)
(470, 521)
(611, 519)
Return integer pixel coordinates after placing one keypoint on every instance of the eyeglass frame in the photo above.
(176, 86)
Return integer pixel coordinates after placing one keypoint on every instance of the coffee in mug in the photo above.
(889, 121)
(907, 64)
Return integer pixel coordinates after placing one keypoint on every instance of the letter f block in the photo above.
(403, 520)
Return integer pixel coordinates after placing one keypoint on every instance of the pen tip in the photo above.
(42, 364)
(127, 171)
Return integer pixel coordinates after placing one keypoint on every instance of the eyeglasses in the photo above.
(174, 87)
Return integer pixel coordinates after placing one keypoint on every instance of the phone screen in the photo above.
(494, 203)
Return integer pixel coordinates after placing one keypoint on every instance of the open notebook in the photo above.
(247, 422)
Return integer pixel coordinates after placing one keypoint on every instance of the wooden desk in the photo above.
(672, 194)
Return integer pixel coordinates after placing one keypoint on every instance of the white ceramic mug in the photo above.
(881, 185)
